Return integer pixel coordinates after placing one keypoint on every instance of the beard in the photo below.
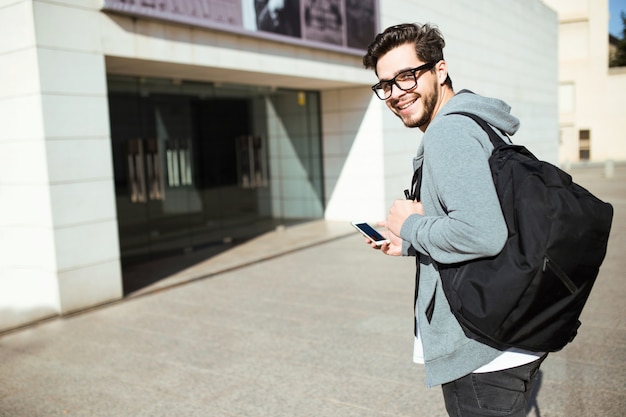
(429, 102)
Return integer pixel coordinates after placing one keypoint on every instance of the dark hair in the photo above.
(427, 39)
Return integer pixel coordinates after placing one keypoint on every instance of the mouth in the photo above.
(404, 106)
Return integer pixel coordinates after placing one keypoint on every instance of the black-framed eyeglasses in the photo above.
(405, 81)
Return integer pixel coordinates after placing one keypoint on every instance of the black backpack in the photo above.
(531, 295)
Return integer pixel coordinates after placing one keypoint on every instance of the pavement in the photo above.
(303, 321)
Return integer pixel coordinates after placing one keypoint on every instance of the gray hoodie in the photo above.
(462, 221)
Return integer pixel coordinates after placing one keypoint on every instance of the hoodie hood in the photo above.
(494, 111)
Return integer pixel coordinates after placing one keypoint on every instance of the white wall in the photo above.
(354, 158)
(610, 143)
(591, 95)
(76, 121)
(57, 225)
(28, 284)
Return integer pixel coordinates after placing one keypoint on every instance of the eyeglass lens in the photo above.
(405, 81)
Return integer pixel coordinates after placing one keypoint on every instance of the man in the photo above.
(457, 218)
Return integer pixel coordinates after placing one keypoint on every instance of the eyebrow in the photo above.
(396, 74)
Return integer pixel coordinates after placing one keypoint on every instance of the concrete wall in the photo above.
(57, 214)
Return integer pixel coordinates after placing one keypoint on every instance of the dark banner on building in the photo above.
(340, 25)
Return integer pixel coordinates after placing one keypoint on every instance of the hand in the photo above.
(400, 211)
(392, 245)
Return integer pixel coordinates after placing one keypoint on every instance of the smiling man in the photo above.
(456, 219)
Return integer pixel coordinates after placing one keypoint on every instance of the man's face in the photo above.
(416, 107)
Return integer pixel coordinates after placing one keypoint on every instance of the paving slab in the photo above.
(310, 323)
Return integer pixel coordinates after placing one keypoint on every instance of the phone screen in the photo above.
(370, 232)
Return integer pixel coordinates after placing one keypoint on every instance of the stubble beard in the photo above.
(429, 102)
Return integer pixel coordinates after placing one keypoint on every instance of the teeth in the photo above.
(406, 105)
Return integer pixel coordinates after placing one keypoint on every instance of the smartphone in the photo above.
(369, 232)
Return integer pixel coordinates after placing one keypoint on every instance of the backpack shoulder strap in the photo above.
(496, 140)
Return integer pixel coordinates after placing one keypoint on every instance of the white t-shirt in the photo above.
(508, 359)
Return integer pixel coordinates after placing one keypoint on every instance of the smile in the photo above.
(406, 105)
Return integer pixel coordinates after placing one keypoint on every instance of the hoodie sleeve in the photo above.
(463, 218)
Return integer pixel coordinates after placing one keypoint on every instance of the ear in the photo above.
(441, 69)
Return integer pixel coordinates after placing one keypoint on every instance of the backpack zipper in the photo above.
(549, 263)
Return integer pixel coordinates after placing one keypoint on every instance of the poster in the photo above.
(341, 25)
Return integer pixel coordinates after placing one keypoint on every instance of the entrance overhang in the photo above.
(178, 71)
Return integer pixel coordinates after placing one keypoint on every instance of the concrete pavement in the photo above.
(306, 321)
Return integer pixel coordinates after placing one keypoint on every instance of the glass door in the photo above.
(157, 198)
(199, 168)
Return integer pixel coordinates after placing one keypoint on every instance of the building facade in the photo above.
(132, 130)
(592, 96)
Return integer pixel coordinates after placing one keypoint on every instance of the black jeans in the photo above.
(493, 394)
